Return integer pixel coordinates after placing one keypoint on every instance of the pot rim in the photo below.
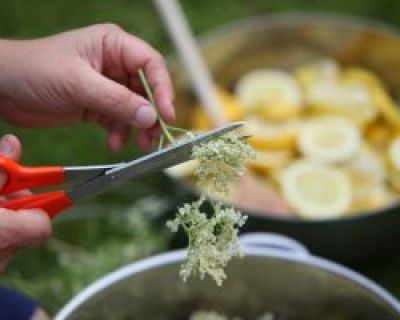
(292, 18)
(176, 256)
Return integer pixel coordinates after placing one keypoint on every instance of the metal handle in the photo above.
(274, 242)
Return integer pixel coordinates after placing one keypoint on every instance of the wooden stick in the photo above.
(189, 52)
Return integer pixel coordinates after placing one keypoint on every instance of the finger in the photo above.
(10, 147)
(19, 194)
(23, 228)
(144, 140)
(154, 132)
(136, 54)
(112, 99)
(118, 136)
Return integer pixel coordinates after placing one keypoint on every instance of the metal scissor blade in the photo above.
(155, 161)
(77, 174)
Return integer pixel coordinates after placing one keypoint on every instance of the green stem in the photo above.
(176, 129)
(161, 142)
(149, 93)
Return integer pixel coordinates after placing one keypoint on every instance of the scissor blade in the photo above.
(77, 174)
(152, 162)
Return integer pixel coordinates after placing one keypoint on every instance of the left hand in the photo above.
(88, 74)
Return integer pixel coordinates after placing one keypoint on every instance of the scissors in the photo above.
(90, 180)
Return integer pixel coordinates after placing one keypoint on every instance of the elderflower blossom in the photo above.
(211, 315)
(212, 240)
(221, 161)
(207, 315)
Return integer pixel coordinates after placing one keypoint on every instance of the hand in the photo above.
(24, 228)
(88, 74)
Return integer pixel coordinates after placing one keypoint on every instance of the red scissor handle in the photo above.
(51, 202)
(20, 177)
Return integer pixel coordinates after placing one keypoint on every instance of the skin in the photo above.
(88, 74)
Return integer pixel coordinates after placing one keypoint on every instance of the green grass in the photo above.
(101, 235)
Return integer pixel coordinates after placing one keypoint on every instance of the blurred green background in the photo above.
(120, 227)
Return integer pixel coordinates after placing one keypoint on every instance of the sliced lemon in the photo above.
(271, 135)
(394, 180)
(358, 75)
(265, 161)
(329, 139)
(273, 94)
(352, 101)
(316, 191)
(378, 197)
(387, 106)
(321, 69)
(366, 171)
(379, 135)
(232, 111)
(394, 153)
(383, 102)
(184, 169)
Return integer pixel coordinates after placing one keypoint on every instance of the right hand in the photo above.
(21, 228)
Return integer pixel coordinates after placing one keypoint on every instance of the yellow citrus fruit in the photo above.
(232, 111)
(352, 101)
(269, 93)
(394, 153)
(271, 135)
(184, 169)
(329, 139)
(316, 191)
(383, 102)
(378, 134)
(366, 171)
(321, 69)
(265, 161)
(378, 197)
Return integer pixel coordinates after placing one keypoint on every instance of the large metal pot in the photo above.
(276, 274)
(284, 41)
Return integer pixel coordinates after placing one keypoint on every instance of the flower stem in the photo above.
(149, 94)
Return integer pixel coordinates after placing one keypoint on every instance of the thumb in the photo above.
(11, 148)
(112, 99)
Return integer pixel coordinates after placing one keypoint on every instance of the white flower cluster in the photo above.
(207, 315)
(211, 315)
(221, 161)
(212, 240)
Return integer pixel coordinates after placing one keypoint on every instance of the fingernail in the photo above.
(5, 146)
(145, 117)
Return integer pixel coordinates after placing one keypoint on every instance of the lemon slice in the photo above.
(352, 101)
(321, 69)
(316, 191)
(382, 100)
(232, 111)
(265, 161)
(379, 134)
(329, 139)
(360, 75)
(366, 172)
(271, 135)
(377, 198)
(273, 94)
(184, 169)
(394, 153)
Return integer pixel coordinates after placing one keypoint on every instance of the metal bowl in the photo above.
(285, 41)
(275, 275)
